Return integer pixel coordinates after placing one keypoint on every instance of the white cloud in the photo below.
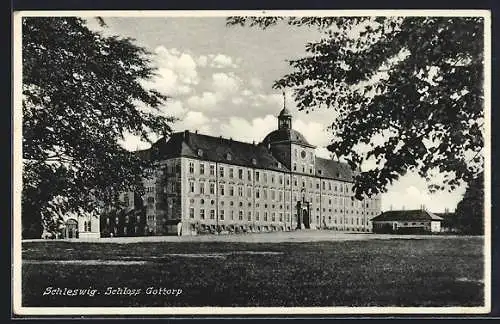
(314, 132)
(237, 100)
(173, 108)
(225, 84)
(241, 129)
(410, 191)
(195, 121)
(206, 101)
(247, 93)
(176, 72)
(202, 61)
(221, 61)
(256, 83)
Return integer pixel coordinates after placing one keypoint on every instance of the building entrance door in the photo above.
(305, 218)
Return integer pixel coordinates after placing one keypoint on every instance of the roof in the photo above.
(331, 169)
(216, 149)
(286, 135)
(406, 215)
(285, 113)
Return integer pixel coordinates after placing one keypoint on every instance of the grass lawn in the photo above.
(399, 272)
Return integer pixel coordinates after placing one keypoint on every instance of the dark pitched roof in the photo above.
(285, 113)
(331, 169)
(406, 215)
(286, 135)
(216, 149)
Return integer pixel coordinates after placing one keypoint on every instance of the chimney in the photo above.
(196, 131)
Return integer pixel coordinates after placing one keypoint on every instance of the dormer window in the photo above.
(228, 156)
(278, 165)
(254, 161)
(320, 172)
(200, 152)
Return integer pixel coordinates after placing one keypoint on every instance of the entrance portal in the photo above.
(305, 219)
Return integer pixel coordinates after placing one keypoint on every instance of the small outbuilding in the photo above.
(407, 222)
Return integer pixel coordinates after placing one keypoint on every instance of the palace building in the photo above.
(214, 184)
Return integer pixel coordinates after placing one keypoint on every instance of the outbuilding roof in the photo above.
(406, 215)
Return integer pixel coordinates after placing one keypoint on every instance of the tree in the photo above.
(82, 92)
(407, 93)
(470, 210)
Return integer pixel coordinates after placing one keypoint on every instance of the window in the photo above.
(231, 173)
(200, 152)
(191, 186)
(265, 177)
(281, 217)
(202, 188)
(272, 178)
(265, 193)
(232, 214)
(212, 214)
(221, 171)
(257, 193)
(221, 214)
(212, 188)
(240, 215)
(273, 194)
(249, 216)
(212, 169)
(257, 176)
(202, 168)
(281, 179)
(257, 216)
(287, 217)
(202, 213)
(191, 167)
(265, 216)
(295, 167)
(222, 189)
(295, 181)
(273, 217)
(240, 174)
(231, 190)
(324, 185)
(249, 175)
(228, 156)
(280, 196)
(240, 191)
(202, 201)
(191, 212)
(249, 191)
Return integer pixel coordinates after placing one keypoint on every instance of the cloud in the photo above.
(314, 132)
(241, 129)
(410, 192)
(206, 101)
(202, 61)
(256, 83)
(196, 121)
(176, 72)
(237, 100)
(225, 84)
(247, 93)
(221, 61)
(174, 108)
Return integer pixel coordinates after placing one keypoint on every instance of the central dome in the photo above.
(286, 135)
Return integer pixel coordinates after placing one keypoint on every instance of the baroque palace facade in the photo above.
(213, 184)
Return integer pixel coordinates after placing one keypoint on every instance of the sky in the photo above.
(219, 80)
